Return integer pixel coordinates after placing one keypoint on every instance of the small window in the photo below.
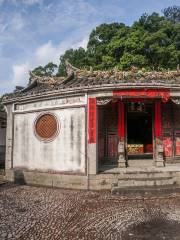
(46, 127)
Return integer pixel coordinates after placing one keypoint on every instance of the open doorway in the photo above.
(3, 119)
(139, 131)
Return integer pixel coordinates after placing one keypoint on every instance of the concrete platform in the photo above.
(106, 179)
(110, 177)
(134, 169)
(144, 192)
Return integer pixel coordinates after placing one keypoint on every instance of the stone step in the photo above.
(130, 175)
(140, 163)
(155, 181)
(148, 191)
(133, 175)
(2, 177)
(3, 182)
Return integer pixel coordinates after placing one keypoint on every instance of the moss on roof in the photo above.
(81, 79)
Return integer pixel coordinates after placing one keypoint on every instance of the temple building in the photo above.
(87, 129)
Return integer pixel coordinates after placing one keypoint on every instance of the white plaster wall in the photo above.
(2, 136)
(65, 153)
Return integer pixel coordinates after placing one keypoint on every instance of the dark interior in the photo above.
(139, 131)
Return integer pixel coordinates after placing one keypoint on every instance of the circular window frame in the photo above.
(46, 140)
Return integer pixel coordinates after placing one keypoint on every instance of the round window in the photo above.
(46, 126)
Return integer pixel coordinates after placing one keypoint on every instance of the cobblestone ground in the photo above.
(28, 212)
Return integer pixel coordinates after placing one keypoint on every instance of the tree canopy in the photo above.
(172, 13)
(152, 42)
(48, 70)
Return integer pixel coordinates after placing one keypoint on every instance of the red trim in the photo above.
(158, 120)
(164, 94)
(92, 120)
(121, 120)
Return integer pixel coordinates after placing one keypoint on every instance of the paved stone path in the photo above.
(28, 212)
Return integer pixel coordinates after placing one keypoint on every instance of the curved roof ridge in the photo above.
(134, 74)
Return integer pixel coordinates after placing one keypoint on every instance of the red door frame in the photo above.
(153, 134)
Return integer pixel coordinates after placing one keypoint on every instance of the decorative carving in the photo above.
(176, 100)
(103, 101)
(69, 68)
(82, 78)
(121, 153)
(46, 126)
(159, 153)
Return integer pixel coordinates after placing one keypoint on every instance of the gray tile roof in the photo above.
(83, 80)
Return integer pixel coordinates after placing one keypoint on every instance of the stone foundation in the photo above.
(47, 179)
(102, 181)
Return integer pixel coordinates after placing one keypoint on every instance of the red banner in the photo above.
(121, 121)
(92, 120)
(158, 120)
(164, 94)
(168, 146)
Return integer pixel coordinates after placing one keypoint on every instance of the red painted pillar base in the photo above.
(159, 161)
(121, 135)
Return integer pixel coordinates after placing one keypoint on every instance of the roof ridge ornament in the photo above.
(175, 100)
(178, 67)
(33, 77)
(70, 69)
(91, 69)
(41, 79)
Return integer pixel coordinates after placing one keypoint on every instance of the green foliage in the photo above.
(172, 14)
(48, 70)
(97, 48)
(150, 23)
(128, 60)
(152, 42)
(77, 58)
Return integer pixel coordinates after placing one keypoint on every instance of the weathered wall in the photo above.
(65, 153)
(2, 136)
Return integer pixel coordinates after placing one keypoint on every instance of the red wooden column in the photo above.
(158, 134)
(121, 120)
(121, 134)
(158, 120)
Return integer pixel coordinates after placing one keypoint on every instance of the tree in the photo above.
(150, 23)
(172, 14)
(77, 58)
(99, 38)
(152, 42)
(39, 71)
(128, 60)
(48, 70)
